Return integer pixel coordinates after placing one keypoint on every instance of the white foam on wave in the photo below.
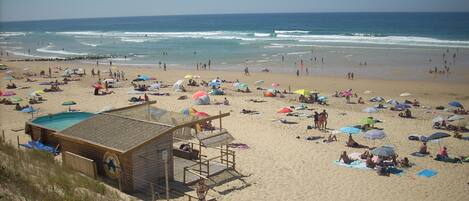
(8, 34)
(301, 36)
(298, 53)
(30, 55)
(89, 44)
(261, 34)
(290, 32)
(63, 52)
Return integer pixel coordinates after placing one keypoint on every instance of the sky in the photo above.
(22, 10)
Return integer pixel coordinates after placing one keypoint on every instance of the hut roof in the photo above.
(148, 113)
(114, 131)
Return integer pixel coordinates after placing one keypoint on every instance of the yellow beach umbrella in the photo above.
(303, 92)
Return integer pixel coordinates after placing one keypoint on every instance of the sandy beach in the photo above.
(278, 165)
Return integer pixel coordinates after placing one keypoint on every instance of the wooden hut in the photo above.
(129, 145)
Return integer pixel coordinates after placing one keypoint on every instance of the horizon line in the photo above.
(241, 13)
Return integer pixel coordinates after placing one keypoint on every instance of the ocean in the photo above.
(326, 43)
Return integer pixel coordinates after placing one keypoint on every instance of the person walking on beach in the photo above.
(297, 72)
(50, 72)
(307, 71)
(209, 63)
(283, 58)
(246, 71)
(351, 75)
(164, 66)
(316, 120)
(110, 63)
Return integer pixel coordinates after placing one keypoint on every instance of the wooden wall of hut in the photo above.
(96, 153)
(148, 164)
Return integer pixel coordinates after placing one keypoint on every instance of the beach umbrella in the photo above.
(455, 104)
(28, 110)
(285, 110)
(455, 117)
(405, 94)
(201, 114)
(16, 99)
(8, 93)
(350, 130)
(368, 120)
(259, 83)
(438, 119)
(9, 78)
(188, 77)
(392, 102)
(242, 86)
(375, 134)
(188, 111)
(384, 151)
(199, 94)
(177, 84)
(68, 103)
(370, 110)
(214, 84)
(303, 92)
(437, 135)
(403, 106)
(275, 85)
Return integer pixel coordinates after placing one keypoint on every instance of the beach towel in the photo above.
(238, 146)
(395, 171)
(418, 154)
(358, 164)
(39, 146)
(313, 138)
(427, 173)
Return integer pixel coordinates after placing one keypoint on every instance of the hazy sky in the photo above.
(14, 10)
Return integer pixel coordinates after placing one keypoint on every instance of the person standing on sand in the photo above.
(246, 71)
(297, 73)
(164, 66)
(283, 58)
(316, 120)
(50, 72)
(209, 63)
(351, 75)
(110, 63)
(325, 116)
(307, 71)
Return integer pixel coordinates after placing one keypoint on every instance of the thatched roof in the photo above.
(117, 132)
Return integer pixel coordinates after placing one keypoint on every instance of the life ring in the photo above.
(112, 165)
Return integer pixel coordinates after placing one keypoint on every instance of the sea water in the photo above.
(325, 43)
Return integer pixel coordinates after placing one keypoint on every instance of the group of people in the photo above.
(320, 120)
(350, 75)
(380, 163)
(203, 66)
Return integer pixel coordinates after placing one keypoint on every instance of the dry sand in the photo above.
(278, 165)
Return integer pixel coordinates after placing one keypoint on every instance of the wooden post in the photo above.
(184, 176)
(227, 157)
(220, 122)
(18, 140)
(152, 192)
(166, 179)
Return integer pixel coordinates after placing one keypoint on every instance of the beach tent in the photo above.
(455, 117)
(259, 83)
(177, 85)
(303, 92)
(405, 94)
(202, 100)
(455, 104)
(285, 110)
(199, 94)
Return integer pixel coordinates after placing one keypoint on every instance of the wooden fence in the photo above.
(80, 164)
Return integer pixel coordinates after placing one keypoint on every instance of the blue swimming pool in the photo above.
(61, 121)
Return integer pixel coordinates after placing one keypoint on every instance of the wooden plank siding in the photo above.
(148, 165)
(80, 164)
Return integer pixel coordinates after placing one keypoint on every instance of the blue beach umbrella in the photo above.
(455, 104)
(350, 130)
(28, 110)
(384, 151)
(375, 134)
(370, 110)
